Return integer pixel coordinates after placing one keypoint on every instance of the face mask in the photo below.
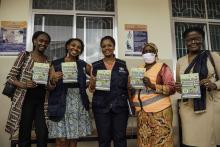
(149, 57)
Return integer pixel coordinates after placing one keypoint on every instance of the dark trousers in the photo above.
(33, 110)
(110, 126)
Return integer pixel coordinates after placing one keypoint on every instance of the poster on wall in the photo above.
(13, 36)
(136, 37)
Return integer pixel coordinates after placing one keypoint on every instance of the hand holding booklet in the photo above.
(137, 75)
(70, 73)
(103, 79)
(40, 72)
(190, 85)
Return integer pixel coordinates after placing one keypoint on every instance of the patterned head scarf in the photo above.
(151, 45)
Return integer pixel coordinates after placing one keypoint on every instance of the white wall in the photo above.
(10, 10)
(156, 15)
(153, 13)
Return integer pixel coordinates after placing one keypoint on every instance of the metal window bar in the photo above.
(182, 14)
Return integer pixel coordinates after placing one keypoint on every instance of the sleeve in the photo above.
(216, 59)
(168, 84)
(16, 68)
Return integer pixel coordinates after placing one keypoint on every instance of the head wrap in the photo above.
(151, 45)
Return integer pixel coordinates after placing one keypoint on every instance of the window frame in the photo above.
(73, 13)
(205, 21)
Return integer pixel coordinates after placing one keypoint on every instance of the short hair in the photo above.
(193, 29)
(74, 39)
(38, 33)
(107, 38)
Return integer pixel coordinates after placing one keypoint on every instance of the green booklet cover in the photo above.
(40, 72)
(103, 79)
(137, 75)
(70, 73)
(190, 85)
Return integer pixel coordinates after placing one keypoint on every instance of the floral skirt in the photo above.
(76, 121)
(155, 129)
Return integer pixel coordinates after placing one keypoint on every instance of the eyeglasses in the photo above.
(194, 40)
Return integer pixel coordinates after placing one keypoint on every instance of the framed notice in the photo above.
(136, 37)
(13, 36)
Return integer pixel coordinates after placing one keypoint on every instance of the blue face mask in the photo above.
(149, 57)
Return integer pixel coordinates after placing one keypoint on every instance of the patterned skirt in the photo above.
(76, 121)
(155, 129)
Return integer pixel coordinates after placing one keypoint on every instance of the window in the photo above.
(53, 4)
(95, 5)
(60, 28)
(92, 28)
(88, 20)
(202, 13)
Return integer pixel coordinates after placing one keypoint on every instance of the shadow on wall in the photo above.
(6, 63)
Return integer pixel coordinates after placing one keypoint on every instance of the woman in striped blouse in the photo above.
(28, 100)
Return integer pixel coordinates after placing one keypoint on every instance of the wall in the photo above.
(156, 15)
(16, 11)
(153, 13)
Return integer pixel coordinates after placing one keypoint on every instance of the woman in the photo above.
(68, 103)
(110, 107)
(153, 105)
(28, 101)
(200, 117)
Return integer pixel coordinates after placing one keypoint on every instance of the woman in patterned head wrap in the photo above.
(152, 103)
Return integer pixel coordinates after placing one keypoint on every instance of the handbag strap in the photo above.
(213, 64)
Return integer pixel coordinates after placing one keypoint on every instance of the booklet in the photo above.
(40, 72)
(70, 72)
(190, 85)
(137, 75)
(103, 79)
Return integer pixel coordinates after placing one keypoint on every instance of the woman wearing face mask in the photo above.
(68, 103)
(153, 105)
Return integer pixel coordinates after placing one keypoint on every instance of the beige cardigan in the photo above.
(202, 129)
